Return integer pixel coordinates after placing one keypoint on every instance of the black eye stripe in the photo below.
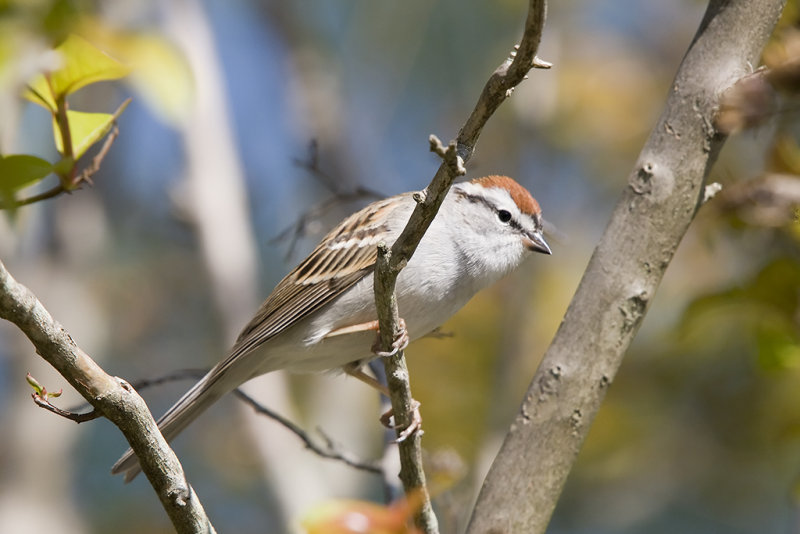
(513, 223)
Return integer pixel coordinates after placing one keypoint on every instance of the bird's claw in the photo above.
(400, 342)
(414, 426)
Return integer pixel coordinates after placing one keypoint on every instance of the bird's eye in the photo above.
(504, 215)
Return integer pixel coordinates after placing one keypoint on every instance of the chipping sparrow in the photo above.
(322, 315)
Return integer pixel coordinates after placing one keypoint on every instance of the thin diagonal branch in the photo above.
(91, 169)
(44, 403)
(499, 86)
(311, 164)
(329, 450)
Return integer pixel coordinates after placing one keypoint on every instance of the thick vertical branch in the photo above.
(663, 193)
(499, 87)
(111, 396)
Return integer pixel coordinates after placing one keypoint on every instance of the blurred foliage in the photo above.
(359, 517)
(766, 306)
(80, 64)
(76, 64)
(159, 72)
(49, 76)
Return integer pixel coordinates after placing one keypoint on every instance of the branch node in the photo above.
(454, 162)
(124, 384)
(384, 252)
(436, 145)
(181, 496)
(539, 63)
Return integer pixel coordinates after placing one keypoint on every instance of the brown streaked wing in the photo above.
(300, 300)
(327, 272)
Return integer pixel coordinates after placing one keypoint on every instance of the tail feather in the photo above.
(197, 400)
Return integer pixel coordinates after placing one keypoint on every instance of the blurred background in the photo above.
(248, 117)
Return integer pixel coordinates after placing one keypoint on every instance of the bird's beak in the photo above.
(535, 242)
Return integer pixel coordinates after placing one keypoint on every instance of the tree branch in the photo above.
(41, 398)
(390, 262)
(111, 396)
(654, 211)
(329, 450)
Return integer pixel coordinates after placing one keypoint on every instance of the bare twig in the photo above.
(329, 450)
(111, 396)
(311, 163)
(180, 374)
(50, 193)
(510, 73)
(44, 402)
(87, 173)
(654, 211)
(41, 397)
(449, 155)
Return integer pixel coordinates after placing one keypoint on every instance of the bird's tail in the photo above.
(197, 400)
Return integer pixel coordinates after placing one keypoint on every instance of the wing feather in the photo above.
(344, 257)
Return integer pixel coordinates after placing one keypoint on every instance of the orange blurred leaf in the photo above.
(362, 517)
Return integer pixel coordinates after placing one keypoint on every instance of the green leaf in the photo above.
(21, 170)
(37, 387)
(82, 64)
(86, 129)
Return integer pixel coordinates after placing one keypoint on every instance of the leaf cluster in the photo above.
(79, 64)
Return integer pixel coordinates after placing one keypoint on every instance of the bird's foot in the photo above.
(400, 342)
(414, 426)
